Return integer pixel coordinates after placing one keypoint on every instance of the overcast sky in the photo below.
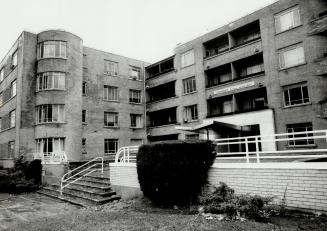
(144, 29)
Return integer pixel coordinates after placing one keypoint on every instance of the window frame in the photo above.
(39, 143)
(137, 117)
(184, 62)
(45, 78)
(136, 69)
(295, 23)
(115, 118)
(84, 116)
(281, 57)
(189, 88)
(12, 119)
(52, 45)
(294, 86)
(191, 113)
(113, 90)
(11, 149)
(42, 110)
(290, 129)
(107, 68)
(107, 142)
(135, 96)
(14, 59)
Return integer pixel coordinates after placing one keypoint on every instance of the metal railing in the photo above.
(51, 157)
(126, 154)
(299, 145)
(79, 172)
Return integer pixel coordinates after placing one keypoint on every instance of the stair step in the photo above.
(56, 195)
(92, 182)
(97, 179)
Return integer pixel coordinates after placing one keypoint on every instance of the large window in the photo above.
(189, 85)
(110, 146)
(111, 119)
(287, 19)
(292, 56)
(134, 96)
(110, 93)
(110, 67)
(296, 94)
(135, 73)
(12, 118)
(2, 74)
(14, 59)
(50, 145)
(136, 121)
(187, 58)
(191, 113)
(13, 88)
(50, 113)
(51, 80)
(52, 49)
(300, 139)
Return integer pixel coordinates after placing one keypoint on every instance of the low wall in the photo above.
(303, 184)
(123, 178)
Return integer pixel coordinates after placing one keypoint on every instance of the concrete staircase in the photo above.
(90, 190)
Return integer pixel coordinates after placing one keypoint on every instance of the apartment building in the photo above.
(59, 97)
(262, 74)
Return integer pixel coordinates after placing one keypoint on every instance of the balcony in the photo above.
(163, 117)
(248, 67)
(161, 92)
(216, 46)
(218, 75)
(319, 25)
(252, 100)
(245, 34)
(160, 68)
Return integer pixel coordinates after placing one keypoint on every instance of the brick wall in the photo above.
(304, 188)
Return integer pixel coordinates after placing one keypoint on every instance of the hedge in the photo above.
(174, 172)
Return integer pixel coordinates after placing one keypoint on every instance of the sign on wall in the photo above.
(233, 88)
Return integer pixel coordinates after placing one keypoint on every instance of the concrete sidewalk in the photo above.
(28, 207)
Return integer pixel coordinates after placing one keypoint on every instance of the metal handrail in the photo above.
(63, 180)
(124, 154)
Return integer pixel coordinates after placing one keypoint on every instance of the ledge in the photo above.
(277, 165)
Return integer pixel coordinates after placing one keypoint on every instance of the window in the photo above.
(136, 121)
(14, 59)
(51, 80)
(84, 146)
(83, 116)
(111, 93)
(291, 57)
(134, 96)
(84, 88)
(12, 118)
(135, 73)
(251, 70)
(187, 58)
(110, 68)
(50, 113)
(13, 88)
(50, 145)
(296, 95)
(190, 113)
(192, 137)
(52, 49)
(1, 99)
(2, 74)
(111, 119)
(189, 85)
(110, 146)
(11, 149)
(228, 106)
(305, 137)
(287, 19)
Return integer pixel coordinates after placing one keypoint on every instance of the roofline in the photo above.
(156, 63)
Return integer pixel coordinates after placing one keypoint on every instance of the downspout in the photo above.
(145, 116)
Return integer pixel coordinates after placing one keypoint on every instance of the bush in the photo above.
(23, 177)
(223, 200)
(173, 173)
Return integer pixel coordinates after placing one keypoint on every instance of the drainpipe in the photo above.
(145, 116)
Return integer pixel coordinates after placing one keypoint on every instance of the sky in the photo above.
(148, 30)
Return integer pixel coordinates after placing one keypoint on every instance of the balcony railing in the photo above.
(237, 112)
(51, 157)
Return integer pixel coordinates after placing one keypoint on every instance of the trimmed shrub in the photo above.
(173, 173)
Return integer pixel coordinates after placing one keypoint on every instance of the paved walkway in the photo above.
(28, 207)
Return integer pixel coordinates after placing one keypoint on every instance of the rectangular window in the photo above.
(135, 73)
(11, 149)
(287, 19)
(189, 85)
(111, 119)
(136, 121)
(187, 58)
(52, 49)
(14, 59)
(296, 95)
(191, 113)
(84, 146)
(12, 118)
(50, 113)
(13, 88)
(290, 57)
(110, 93)
(84, 88)
(2, 74)
(51, 80)
(192, 137)
(1, 99)
(110, 68)
(83, 116)
(110, 146)
(300, 139)
(134, 96)
(50, 145)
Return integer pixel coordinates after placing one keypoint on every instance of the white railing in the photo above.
(126, 154)
(51, 157)
(81, 171)
(299, 145)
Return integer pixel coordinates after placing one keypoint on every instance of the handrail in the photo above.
(51, 157)
(126, 154)
(63, 180)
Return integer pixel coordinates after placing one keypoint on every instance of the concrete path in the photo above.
(28, 207)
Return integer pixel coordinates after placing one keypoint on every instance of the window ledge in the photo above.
(189, 93)
(107, 74)
(298, 105)
(49, 123)
(191, 121)
(292, 28)
(111, 101)
(84, 123)
(54, 89)
(64, 58)
(297, 65)
(114, 127)
(302, 146)
(137, 128)
(135, 103)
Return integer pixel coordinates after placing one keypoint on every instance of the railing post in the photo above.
(102, 165)
(61, 187)
(257, 149)
(247, 150)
